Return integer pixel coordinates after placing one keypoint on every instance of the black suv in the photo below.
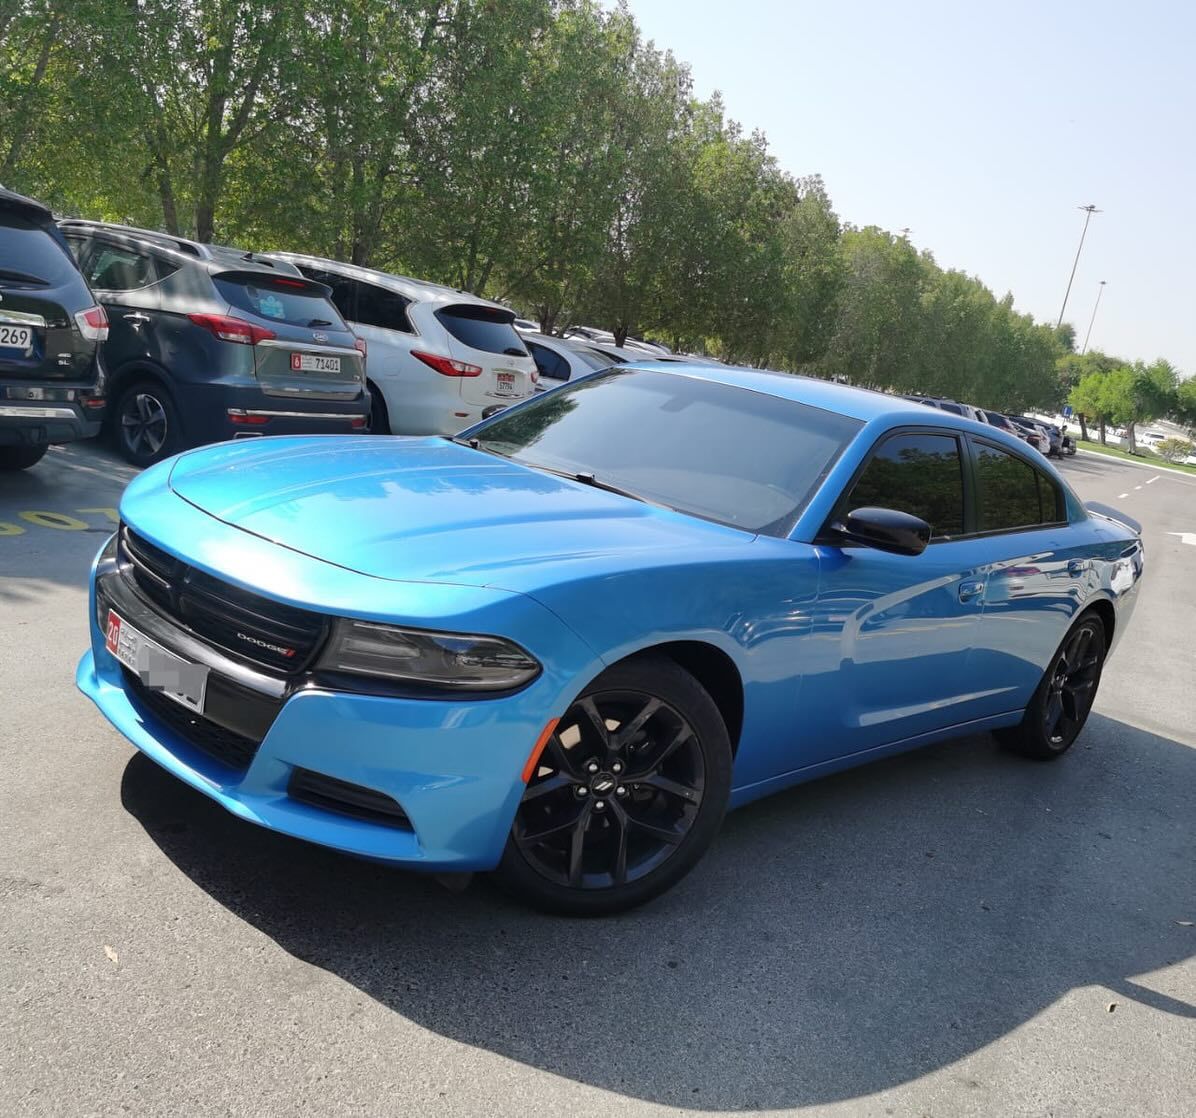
(209, 343)
(51, 377)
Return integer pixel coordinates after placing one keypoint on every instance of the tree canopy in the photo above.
(540, 152)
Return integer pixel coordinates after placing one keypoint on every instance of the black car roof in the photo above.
(27, 207)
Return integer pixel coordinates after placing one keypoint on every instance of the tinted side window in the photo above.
(115, 268)
(486, 328)
(1012, 493)
(378, 307)
(549, 363)
(918, 474)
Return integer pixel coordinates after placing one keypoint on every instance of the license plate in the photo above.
(158, 669)
(506, 384)
(314, 363)
(16, 337)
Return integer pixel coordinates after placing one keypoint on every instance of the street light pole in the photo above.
(1099, 292)
(1089, 210)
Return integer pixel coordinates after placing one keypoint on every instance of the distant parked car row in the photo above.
(1048, 439)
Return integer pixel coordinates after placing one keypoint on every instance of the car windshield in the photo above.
(742, 458)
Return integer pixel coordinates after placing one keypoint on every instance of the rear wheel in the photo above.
(21, 457)
(379, 417)
(628, 794)
(1060, 707)
(145, 423)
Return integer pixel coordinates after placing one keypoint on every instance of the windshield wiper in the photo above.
(607, 487)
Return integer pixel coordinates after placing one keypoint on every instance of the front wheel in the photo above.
(1060, 707)
(21, 457)
(627, 796)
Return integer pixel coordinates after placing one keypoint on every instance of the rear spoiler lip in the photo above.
(1109, 513)
(29, 208)
(252, 275)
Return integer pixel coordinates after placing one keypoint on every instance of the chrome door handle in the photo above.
(136, 317)
(1076, 567)
(970, 590)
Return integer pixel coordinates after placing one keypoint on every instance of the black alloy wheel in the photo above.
(1063, 701)
(627, 795)
(145, 423)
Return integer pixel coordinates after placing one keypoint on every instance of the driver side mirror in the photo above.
(883, 529)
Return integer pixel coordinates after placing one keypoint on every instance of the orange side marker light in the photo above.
(529, 770)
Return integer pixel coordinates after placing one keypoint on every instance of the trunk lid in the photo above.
(485, 336)
(303, 348)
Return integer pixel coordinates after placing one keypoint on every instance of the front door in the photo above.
(893, 635)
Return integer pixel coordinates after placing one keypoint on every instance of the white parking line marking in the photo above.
(1120, 495)
(1151, 481)
(1137, 487)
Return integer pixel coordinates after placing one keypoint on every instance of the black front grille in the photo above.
(318, 790)
(226, 746)
(249, 626)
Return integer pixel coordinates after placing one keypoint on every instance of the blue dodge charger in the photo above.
(560, 645)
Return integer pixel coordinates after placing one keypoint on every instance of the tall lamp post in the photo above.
(1099, 292)
(1089, 210)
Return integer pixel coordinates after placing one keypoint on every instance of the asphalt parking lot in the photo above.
(952, 932)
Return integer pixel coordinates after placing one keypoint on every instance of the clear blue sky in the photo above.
(981, 128)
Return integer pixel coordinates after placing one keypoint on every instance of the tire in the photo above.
(1063, 700)
(592, 841)
(379, 416)
(22, 457)
(145, 423)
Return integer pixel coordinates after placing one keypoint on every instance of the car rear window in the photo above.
(489, 329)
(747, 459)
(279, 299)
(31, 257)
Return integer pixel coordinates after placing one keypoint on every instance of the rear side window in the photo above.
(915, 473)
(30, 257)
(375, 306)
(277, 299)
(1012, 493)
(115, 268)
(486, 328)
(550, 363)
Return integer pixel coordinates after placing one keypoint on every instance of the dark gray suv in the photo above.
(51, 375)
(209, 343)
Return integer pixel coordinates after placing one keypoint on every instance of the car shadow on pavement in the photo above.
(841, 938)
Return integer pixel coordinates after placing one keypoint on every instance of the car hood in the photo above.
(431, 510)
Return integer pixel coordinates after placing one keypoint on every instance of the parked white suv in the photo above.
(437, 359)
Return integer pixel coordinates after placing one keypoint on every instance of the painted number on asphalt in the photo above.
(59, 521)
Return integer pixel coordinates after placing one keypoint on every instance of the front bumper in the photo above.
(453, 766)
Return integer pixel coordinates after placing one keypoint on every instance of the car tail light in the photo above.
(229, 329)
(358, 422)
(360, 346)
(93, 323)
(447, 366)
(240, 418)
(92, 401)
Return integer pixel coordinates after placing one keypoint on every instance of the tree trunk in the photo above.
(1102, 431)
(621, 333)
(1129, 430)
(1083, 425)
(26, 114)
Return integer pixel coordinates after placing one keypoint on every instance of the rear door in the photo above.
(485, 337)
(125, 280)
(41, 291)
(302, 346)
(1035, 573)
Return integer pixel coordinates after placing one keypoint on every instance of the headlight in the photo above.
(457, 660)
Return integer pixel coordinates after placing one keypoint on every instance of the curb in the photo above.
(1136, 465)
